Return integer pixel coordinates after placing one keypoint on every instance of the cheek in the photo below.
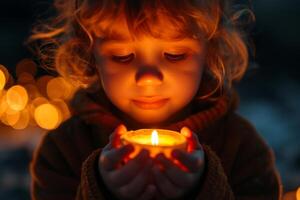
(185, 83)
(115, 82)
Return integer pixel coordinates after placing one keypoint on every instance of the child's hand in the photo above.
(174, 180)
(130, 180)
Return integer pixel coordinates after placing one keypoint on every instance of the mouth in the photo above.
(149, 103)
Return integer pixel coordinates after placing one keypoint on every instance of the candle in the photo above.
(155, 140)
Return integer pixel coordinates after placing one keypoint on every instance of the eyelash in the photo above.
(175, 57)
(123, 59)
(128, 58)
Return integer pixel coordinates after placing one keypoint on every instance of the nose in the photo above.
(149, 76)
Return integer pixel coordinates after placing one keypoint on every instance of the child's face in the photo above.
(149, 79)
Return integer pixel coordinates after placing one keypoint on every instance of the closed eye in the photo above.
(175, 57)
(123, 59)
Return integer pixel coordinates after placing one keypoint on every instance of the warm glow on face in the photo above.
(126, 75)
(47, 116)
(17, 98)
(298, 194)
(154, 138)
(2, 79)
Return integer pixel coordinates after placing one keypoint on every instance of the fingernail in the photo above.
(186, 132)
(121, 128)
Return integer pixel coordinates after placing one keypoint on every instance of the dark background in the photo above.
(270, 91)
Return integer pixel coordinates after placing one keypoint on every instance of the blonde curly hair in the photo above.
(65, 42)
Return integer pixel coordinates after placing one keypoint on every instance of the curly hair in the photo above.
(65, 42)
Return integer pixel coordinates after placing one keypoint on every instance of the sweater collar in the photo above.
(95, 108)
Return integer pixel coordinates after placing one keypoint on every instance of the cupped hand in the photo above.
(126, 180)
(175, 177)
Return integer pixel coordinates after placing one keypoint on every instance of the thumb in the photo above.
(192, 139)
(116, 135)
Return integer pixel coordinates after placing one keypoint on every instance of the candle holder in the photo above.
(155, 141)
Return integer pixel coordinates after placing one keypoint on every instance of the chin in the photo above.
(150, 120)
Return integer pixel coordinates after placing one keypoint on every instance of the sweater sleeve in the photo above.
(214, 183)
(252, 175)
(92, 186)
(55, 176)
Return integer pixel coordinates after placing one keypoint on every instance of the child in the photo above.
(150, 64)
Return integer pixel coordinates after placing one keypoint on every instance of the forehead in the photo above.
(124, 36)
(163, 29)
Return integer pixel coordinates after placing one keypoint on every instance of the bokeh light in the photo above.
(32, 91)
(47, 116)
(34, 104)
(42, 83)
(42, 102)
(11, 118)
(63, 107)
(25, 78)
(8, 77)
(5, 72)
(3, 103)
(59, 88)
(23, 121)
(17, 97)
(26, 65)
(2, 79)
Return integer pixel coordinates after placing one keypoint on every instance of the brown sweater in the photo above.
(239, 164)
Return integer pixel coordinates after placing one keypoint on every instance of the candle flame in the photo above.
(154, 137)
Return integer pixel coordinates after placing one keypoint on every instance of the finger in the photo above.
(193, 161)
(138, 183)
(127, 172)
(115, 136)
(193, 141)
(179, 177)
(165, 186)
(149, 193)
(111, 158)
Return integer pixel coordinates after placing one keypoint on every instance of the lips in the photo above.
(150, 102)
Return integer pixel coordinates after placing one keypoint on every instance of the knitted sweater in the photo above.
(239, 165)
